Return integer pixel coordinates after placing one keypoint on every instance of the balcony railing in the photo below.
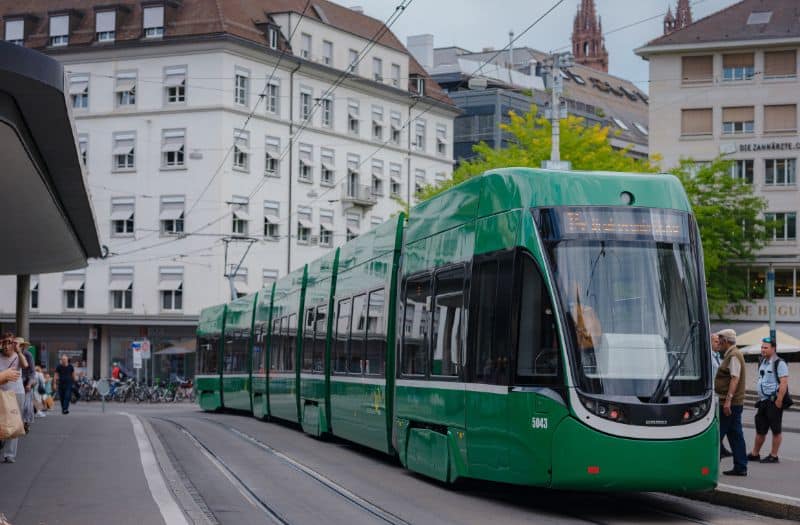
(359, 195)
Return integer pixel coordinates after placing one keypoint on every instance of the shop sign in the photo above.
(759, 311)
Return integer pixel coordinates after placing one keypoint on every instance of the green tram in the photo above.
(527, 326)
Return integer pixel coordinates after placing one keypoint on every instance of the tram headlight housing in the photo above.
(603, 409)
(695, 412)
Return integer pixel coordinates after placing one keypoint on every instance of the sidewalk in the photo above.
(79, 468)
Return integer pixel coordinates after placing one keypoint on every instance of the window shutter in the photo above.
(15, 30)
(59, 25)
(698, 68)
(696, 121)
(153, 17)
(740, 114)
(780, 63)
(737, 60)
(106, 21)
(780, 118)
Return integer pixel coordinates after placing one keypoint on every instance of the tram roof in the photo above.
(512, 188)
(239, 314)
(211, 320)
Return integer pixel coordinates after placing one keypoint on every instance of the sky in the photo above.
(476, 24)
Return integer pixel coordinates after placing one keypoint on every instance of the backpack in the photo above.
(787, 399)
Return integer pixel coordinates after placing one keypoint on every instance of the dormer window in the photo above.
(106, 25)
(272, 34)
(15, 32)
(59, 30)
(418, 81)
(153, 22)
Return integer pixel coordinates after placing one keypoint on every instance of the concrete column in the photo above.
(105, 351)
(23, 305)
(90, 355)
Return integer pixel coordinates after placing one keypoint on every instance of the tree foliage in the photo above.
(730, 219)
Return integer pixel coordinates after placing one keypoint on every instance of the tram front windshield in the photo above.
(628, 284)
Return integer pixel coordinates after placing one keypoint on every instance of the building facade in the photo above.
(727, 85)
(220, 138)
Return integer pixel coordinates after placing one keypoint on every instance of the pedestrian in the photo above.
(39, 393)
(716, 359)
(28, 380)
(12, 359)
(729, 384)
(64, 378)
(773, 386)
(48, 392)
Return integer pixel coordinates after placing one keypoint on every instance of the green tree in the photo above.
(587, 147)
(729, 217)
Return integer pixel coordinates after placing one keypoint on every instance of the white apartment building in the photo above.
(728, 85)
(215, 132)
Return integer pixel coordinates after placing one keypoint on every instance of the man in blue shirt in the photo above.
(773, 383)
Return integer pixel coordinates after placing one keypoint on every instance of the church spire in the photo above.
(682, 18)
(588, 44)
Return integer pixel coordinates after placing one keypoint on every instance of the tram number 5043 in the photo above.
(538, 423)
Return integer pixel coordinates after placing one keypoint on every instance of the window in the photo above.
(340, 357)
(272, 218)
(269, 276)
(325, 227)
(239, 275)
(377, 177)
(419, 135)
(241, 87)
(439, 177)
(759, 17)
(377, 123)
(418, 82)
(241, 150)
(239, 216)
(153, 21)
(396, 75)
(784, 282)
(273, 97)
(780, 64)
(737, 121)
(122, 210)
(419, 180)
(305, 46)
(780, 119)
(124, 151)
(171, 214)
(34, 292)
(125, 89)
(696, 122)
(272, 34)
(780, 172)
(620, 123)
(305, 103)
(307, 361)
(83, 147)
(743, 170)
(785, 226)
(320, 334)
(121, 288)
(447, 333)
(352, 57)
(74, 292)
(105, 28)
(304, 224)
(59, 30)
(327, 175)
(327, 52)
(441, 140)
(306, 160)
(272, 160)
(79, 90)
(327, 112)
(375, 221)
(738, 66)
(697, 69)
(353, 109)
(358, 331)
(173, 146)
(416, 301)
(15, 32)
(175, 84)
(492, 318)
(170, 286)
(642, 128)
(353, 177)
(353, 224)
(395, 180)
(377, 69)
(396, 128)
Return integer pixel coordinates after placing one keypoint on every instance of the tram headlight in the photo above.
(604, 410)
(695, 412)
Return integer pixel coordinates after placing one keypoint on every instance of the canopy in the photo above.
(754, 337)
(174, 350)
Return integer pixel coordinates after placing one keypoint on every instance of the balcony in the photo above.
(358, 195)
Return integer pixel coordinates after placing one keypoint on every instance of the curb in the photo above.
(751, 500)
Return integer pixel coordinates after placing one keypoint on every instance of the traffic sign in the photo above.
(103, 387)
(136, 346)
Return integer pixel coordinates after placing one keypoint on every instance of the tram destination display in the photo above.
(588, 222)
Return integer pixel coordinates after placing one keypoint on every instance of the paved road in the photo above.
(86, 468)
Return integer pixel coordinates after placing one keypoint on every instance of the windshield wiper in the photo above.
(663, 383)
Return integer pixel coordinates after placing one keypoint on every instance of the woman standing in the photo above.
(11, 358)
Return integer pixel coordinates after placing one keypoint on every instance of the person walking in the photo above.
(39, 393)
(64, 377)
(773, 385)
(729, 384)
(28, 381)
(716, 359)
(12, 359)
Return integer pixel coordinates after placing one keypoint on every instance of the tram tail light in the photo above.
(705, 471)
(593, 469)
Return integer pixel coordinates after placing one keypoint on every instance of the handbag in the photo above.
(40, 389)
(10, 416)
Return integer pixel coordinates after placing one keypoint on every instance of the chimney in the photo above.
(421, 48)
(357, 9)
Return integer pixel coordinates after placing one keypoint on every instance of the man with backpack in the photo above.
(773, 399)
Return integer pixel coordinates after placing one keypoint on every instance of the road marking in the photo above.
(169, 509)
(759, 493)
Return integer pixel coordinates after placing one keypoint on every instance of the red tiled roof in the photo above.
(188, 18)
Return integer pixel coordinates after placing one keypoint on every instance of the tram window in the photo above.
(448, 318)
(342, 335)
(275, 345)
(236, 351)
(259, 350)
(537, 344)
(415, 325)
(320, 332)
(308, 341)
(376, 334)
(492, 320)
(209, 357)
(290, 347)
(358, 331)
